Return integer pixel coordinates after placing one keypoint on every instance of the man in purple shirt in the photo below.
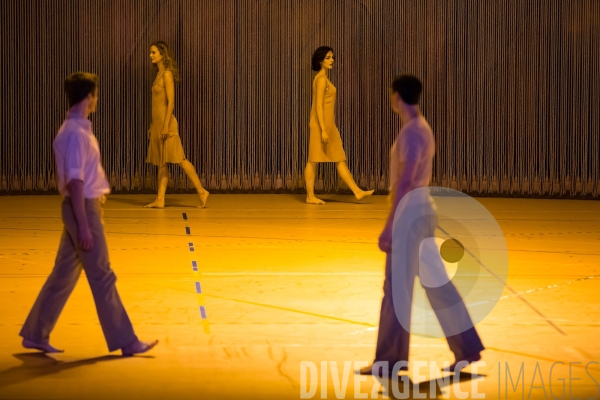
(414, 214)
(81, 179)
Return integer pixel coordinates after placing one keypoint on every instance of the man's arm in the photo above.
(84, 235)
(74, 175)
(405, 185)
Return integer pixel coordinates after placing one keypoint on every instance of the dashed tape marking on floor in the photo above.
(196, 274)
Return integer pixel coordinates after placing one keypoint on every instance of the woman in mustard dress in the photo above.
(325, 142)
(165, 145)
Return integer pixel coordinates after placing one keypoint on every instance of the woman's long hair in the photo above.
(168, 58)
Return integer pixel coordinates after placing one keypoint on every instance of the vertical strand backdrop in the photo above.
(510, 89)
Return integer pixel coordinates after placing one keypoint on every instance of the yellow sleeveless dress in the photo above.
(318, 151)
(169, 150)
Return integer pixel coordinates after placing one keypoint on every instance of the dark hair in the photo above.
(318, 57)
(78, 85)
(409, 88)
(168, 59)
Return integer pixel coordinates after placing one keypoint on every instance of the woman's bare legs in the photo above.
(309, 178)
(190, 171)
(349, 180)
(163, 180)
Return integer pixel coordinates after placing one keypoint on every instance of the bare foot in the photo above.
(138, 347)
(203, 198)
(314, 200)
(156, 204)
(44, 347)
(466, 361)
(363, 194)
(373, 370)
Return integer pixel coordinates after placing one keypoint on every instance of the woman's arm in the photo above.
(320, 87)
(170, 88)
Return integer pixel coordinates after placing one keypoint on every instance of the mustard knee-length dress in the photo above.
(333, 150)
(170, 149)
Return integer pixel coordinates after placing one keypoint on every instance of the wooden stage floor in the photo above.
(286, 282)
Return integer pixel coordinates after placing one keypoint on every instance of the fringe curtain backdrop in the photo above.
(510, 88)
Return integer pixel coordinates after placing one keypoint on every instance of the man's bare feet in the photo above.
(314, 200)
(46, 348)
(156, 204)
(203, 198)
(363, 194)
(464, 362)
(138, 347)
(374, 370)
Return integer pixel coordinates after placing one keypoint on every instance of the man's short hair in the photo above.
(409, 88)
(78, 85)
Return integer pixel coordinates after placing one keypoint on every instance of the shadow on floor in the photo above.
(142, 201)
(339, 199)
(36, 365)
(137, 201)
(403, 384)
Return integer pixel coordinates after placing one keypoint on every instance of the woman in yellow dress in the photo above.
(325, 143)
(165, 145)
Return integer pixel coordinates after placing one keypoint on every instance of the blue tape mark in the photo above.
(188, 231)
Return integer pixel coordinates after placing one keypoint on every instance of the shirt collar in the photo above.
(83, 122)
